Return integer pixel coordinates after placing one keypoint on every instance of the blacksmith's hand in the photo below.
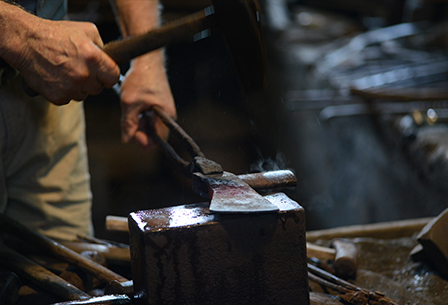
(145, 85)
(60, 60)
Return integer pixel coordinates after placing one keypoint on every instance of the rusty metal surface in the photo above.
(187, 255)
(229, 194)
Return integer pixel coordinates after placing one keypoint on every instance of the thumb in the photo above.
(129, 125)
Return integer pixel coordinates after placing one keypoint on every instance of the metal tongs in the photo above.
(199, 163)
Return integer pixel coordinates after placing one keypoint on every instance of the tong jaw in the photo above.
(204, 166)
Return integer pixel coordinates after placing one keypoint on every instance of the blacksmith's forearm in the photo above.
(14, 23)
(136, 16)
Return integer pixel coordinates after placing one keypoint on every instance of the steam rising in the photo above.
(264, 165)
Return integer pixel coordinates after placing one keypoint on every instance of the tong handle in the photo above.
(199, 162)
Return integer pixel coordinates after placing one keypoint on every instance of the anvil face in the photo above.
(187, 255)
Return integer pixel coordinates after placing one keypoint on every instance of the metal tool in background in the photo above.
(360, 42)
(422, 112)
(377, 65)
(228, 193)
(424, 81)
(341, 103)
(237, 20)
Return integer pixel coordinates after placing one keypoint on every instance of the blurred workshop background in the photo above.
(354, 105)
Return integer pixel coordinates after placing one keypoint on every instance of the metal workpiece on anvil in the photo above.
(187, 255)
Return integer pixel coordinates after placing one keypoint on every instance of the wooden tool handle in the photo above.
(270, 179)
(40, 276)
(122, 51)
(319, 252)
(346, 260)
(114, 254)
(46, 244)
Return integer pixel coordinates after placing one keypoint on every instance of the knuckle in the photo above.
(90, 53)
(115, 75)
(110, 80)
(90, 28)
(79, 75)
(57, 98)
(126, 124)
(128, 98)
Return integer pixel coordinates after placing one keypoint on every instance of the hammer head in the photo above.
(239, 23)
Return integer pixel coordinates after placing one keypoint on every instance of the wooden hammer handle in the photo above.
(319, 252)
(182, 29)
(42, 242)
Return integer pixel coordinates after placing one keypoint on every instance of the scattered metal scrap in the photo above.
(348, 292)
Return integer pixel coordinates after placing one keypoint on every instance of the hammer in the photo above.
(343, 253)
(237, 20)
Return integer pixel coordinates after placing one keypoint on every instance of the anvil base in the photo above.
(187, 255)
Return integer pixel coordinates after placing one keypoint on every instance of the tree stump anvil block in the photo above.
(187, 255)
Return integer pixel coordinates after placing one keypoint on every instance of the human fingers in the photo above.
(129, 121)
(107, 71)
(92, 32)
(143, 140)
(150, 127)
(102, 69)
